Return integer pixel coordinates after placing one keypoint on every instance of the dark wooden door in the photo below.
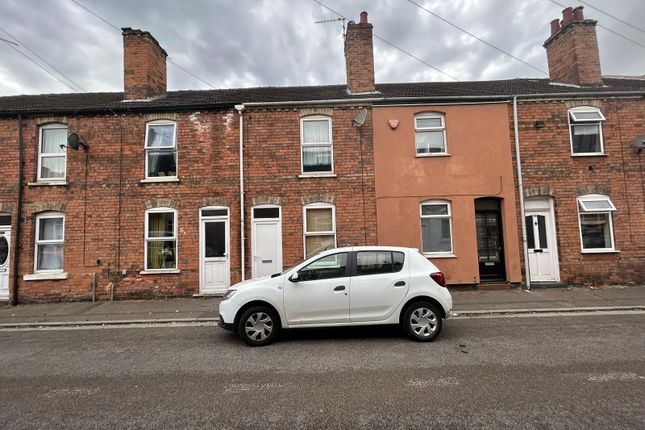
(490, 244)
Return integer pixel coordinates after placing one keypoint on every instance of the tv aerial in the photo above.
(327, 21)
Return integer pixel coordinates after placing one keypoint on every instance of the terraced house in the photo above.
(148, 192)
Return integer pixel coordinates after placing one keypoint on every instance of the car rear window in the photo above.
(375, 262)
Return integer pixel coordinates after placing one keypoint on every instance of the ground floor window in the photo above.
(596, 227)
(319, 228)
(50, 239)
(161, 239)
(436, 227)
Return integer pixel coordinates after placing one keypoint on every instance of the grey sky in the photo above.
(275, 42)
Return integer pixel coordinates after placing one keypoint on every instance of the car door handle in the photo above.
(339, 288)
(400, 284)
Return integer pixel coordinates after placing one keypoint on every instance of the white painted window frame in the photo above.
(306, 231)
(303, 120)
(42, 155)
(572, 120)
(147, 149)
(448, 216)
(608, 212)
(38, 241)
(147, 239)
(442, 128)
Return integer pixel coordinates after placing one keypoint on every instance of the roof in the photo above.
(77, 103)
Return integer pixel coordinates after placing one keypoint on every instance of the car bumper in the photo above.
(225, 325)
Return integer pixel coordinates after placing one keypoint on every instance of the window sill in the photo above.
(594, 154)
(158, 180)
(160, 272)
(599, 251)
(430, 255)
(48, 184)
(440, 154)
(44, 276)
(317, 175)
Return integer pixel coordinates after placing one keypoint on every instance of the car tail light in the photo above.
(439, 278)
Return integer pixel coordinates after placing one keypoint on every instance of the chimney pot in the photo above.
(555, 26)
(567, 16)
(577, 14)
(363, 17)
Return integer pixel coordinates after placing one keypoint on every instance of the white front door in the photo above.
(5, 244)
(214, 253)
(541, 241)
(267, 241)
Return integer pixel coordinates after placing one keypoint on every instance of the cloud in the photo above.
(276, 42)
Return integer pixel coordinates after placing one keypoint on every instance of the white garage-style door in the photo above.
(267, 240)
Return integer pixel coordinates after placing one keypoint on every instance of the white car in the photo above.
(341, 287)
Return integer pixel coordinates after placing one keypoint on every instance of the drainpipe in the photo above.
(16, 251)
(520, 189)
(240, 109)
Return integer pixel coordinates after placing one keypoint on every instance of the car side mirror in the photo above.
(295, 277)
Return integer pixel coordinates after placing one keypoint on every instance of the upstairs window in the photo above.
(436, 228)
(596, 227)
(161, 150)
(161, 239)
(319, 228)
(585, 125)
(52, 153)
(430, 134)
(317, 152)
(50, 238)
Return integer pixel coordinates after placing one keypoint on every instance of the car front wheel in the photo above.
(258, 326)
(422, 321)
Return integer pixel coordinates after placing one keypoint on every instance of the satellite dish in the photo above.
(360, 118)
(74, 141)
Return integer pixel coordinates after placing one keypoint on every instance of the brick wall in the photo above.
(549, 169)
(104, 216)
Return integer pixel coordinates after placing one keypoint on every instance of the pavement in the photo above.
(204, 309)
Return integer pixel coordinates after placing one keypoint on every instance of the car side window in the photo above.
(330, 266)
(376, 262)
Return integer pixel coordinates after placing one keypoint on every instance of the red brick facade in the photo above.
(549, 169)
(104, 201)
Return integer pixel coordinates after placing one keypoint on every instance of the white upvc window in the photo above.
(161, 239)
(319, 228)
(596, 225)
(49, 243)
(317, 153)
(161, 150)
(585, 130)
(430, 134)
(436, 228)
(52, 153)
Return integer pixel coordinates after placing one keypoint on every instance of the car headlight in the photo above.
(228, 294)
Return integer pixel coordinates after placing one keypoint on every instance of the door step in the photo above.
(494, 286)
(549, 285)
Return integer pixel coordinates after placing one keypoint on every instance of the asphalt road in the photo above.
(537, 372)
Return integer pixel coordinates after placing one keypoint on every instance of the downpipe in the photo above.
(520, 189)
(240, 108)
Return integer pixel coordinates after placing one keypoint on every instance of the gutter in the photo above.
(520, 189)
(16, 257)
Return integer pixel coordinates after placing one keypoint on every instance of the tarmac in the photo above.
(204, 309)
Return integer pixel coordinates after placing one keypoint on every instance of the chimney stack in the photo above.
(572, 49)
(359, 57)
(144, 65)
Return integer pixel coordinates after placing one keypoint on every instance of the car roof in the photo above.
(368, 248)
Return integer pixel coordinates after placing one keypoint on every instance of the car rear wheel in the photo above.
(422, 321)
(258, 326)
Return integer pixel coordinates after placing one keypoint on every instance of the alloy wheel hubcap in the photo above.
(258, 326)
(423, 322)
